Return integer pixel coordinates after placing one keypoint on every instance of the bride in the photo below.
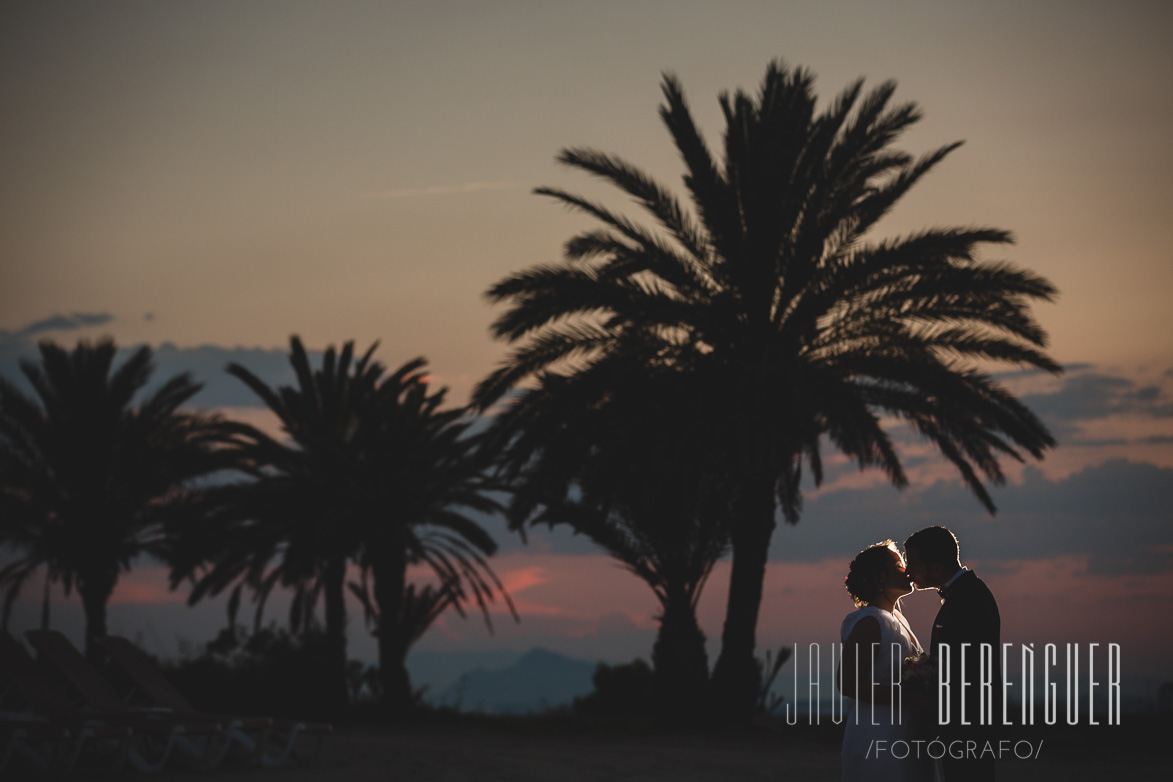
(876, 581)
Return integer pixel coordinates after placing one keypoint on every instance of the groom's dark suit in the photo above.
(969, 615)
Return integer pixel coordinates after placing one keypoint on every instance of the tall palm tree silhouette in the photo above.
(773, 287)
(89, 479)
(368, 459)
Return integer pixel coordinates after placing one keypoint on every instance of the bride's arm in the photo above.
(857, 656)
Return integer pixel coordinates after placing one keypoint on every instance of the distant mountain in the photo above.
(539, 680)
(438, 670)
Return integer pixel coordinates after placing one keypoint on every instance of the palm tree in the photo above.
(297, 510)
(368, 459)
(773, 287)
(89, 480)
(631, 469)
(419, 607)
(426, 473)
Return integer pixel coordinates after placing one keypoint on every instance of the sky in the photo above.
(210, 178)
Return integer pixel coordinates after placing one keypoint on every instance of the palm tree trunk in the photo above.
(45, 604)
(95, 590)
(334, 587)
(736, 677)
(390, 571)
(680, 661)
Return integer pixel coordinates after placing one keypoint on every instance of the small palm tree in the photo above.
(771, 287)
(427, 472)
(631, 468)
(89, 479)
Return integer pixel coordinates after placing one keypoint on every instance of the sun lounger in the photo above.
(271, 741)
(51, 749)
(201, 739)
(123, 736)
(40, 746)
(43, 728)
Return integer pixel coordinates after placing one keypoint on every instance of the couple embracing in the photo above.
(881, 713)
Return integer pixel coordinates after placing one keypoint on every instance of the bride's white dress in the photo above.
(862, 736)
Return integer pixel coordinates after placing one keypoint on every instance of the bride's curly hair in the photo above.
(863, 574)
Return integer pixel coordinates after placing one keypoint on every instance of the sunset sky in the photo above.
(209, 178)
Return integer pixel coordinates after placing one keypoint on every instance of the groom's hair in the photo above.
(936, 545)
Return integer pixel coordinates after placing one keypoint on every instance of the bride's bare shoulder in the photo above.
(861, 626)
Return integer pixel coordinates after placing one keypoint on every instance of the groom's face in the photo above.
(917, 570)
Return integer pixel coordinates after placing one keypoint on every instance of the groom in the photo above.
(968, 615)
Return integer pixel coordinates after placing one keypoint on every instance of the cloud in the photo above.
(470, 187)
(1038, 515)
(1109, 472)
(516, 581)
(1032, 372)
(146, 586)
(1114, 513)
(77, 320)
(1092, 394)
(207, 365)
(22, 343)
(1085, 395)
(71, 322)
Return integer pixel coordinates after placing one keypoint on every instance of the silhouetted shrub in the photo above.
(768, 668)
(625, 690)
(268, 672)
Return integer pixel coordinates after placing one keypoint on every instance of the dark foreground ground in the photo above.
(485, 750)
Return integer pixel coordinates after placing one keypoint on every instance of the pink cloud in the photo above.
(521, 579)
(569, 596)
(146, 586)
